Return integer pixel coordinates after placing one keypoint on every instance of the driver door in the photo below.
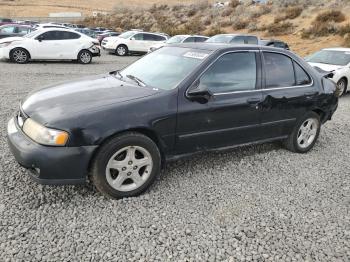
(232, 114)
(46, 45)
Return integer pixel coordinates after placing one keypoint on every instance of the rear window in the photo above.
(279, 70)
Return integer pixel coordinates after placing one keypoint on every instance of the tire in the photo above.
(341, 87)
(19, 56)
(126, 165)
(84, 57)
(121, 50)
(305, 134)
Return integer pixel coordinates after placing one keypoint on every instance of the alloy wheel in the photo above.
(85, 57)
(129, 168)
(121, 50)
(20, 56)
(307, 132)
(341, 87)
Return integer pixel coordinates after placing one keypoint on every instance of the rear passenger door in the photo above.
(287, 92)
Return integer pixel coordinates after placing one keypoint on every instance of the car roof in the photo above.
(14, 24)
(229, 47)
(43, 30)
(344, 49)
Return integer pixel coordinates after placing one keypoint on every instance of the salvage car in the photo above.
(120, 128)
(50, 44)
(336, 61)
(132, 42)
(180, 39)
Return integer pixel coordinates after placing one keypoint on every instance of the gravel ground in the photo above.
(258, 203)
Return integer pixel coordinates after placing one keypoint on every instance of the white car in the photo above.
(337, 61)
(180, 39)
(132, 42)
(50, 44)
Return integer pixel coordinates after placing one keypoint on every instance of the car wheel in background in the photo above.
(341, 86)
(19, 56)
(84, 57)
(126, 165)
(121, 50)
(305, 134)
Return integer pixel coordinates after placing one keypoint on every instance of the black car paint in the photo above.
(97, 108)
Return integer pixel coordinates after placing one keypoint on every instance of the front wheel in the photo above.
(19, 56)
(126, 165)
(121, 50)
(305, 134)
(84, 57)
(341, 86)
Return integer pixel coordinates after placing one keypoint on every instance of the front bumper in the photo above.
(95, 51)
(49, 165)
(4, 53)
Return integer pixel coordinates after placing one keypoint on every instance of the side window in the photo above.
(189, 40)
(252, 40)
(149, 37)
(279, 70)
(70, 35)
(200, 39)
(301, 77)
(48, 36)
(231, 72)
(138, 37)
(159, 38)
(8, 30)
(238, 40)
(23, 30)
(279, 44)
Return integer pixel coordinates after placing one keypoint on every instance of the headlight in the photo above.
(5, 44)
(44, 135)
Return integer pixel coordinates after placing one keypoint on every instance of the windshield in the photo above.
(331, 57)
(31, 34)
(126, 34)
(220, 39)
(176, 39)
(166, 67)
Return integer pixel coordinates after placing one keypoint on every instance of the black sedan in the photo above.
(119, 129)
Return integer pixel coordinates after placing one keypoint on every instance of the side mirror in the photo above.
(132, 38)
(199, 93)
(40, 38)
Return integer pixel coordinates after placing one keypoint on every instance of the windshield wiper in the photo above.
(137, 80)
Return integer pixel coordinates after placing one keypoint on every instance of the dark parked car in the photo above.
(102, 36)
(274, 43)
(123, 126)
(11, 30)
(5, 21)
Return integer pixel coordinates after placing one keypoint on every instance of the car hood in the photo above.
(11, 39)
(55, 103)
(326, 67)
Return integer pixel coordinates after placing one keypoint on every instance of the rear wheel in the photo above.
(122, 50)
(126, 165)
(19, 56)
(84, 57)
(305, 134)
(341, 85)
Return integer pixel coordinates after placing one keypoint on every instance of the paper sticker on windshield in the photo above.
(195, 55)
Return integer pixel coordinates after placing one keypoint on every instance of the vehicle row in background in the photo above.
(50, 44)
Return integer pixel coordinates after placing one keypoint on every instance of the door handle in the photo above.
(254, 102)
(309, 95)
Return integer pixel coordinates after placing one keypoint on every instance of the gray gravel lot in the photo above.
(258, 203)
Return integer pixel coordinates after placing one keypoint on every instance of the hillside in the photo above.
(41, 8)
(304, 25)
